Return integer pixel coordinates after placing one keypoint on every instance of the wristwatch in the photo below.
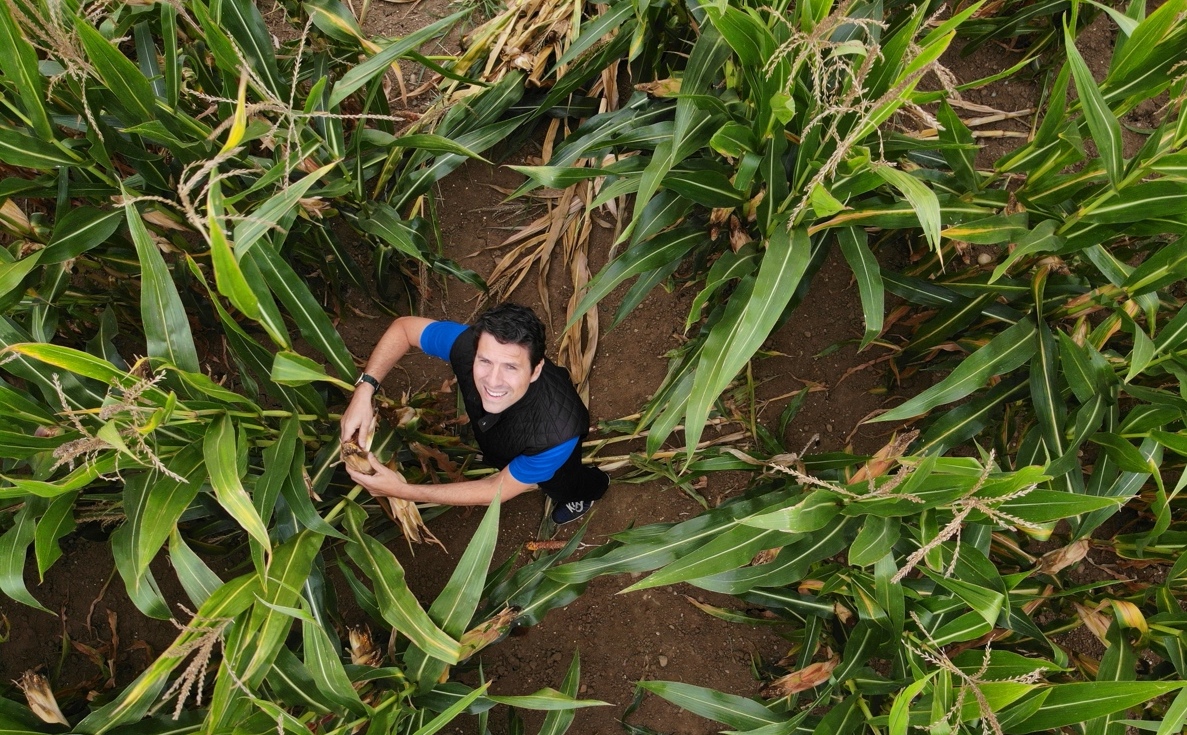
(369, 380)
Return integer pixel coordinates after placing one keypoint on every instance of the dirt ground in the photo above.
(622, 639)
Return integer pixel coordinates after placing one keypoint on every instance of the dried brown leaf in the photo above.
(812, 675)
(1059, 559)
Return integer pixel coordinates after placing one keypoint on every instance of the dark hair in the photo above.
(512, 324)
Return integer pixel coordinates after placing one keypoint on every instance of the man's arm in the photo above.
(472, 492)
(403, 334)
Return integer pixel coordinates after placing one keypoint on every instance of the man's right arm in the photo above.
(403, 334)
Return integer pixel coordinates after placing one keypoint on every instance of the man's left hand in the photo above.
(384, 482)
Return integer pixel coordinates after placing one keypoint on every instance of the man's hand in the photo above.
(356, 420)
(384, 482)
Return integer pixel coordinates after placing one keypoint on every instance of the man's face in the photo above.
(502, 373)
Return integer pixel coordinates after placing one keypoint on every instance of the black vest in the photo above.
(550, 413)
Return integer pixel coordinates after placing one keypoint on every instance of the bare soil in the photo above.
(622, 639)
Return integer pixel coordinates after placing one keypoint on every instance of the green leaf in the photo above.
(14, 273)
(1165, 267)
(646, 256)
(1135, 202)
(737, 712)
(1069, 704)
(78, 231)
(291, 368)
(812, 513)
(25, 151)
(153, 514)
(435, 144)
(961, 149)
(900, 710)
(1126, 455)
(14, 545)
(287, 573)
(18, 61)
(1005, 352)
(243, 21)
(869, 280)
(985, 602)
(557, 722)
(707, 188)
(747, 322)
(923, 200)
(312, 320)
(1044, 506)
(231, 280)
(874, 541)
(1106, 131)
(328, 673)
(220, 451)
(454, 607)
(130, 90)
(400, 609)
(197, 579)
(379, 63)
(166, 328)
(729, 550)
(267, 216)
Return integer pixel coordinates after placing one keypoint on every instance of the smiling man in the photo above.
(527, 417)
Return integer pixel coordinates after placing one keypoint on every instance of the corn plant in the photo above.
(742, 157)
(1062, 345)
(909, 601)
(167, 174)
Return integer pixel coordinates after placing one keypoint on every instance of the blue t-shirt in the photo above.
(437, 340)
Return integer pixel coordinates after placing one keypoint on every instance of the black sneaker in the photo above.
(569, 512)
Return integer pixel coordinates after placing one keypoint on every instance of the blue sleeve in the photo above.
(531, 469)
(437, 339)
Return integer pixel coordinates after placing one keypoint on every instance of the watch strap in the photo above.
(369, 380)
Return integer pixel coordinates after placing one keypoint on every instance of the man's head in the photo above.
(509, 354)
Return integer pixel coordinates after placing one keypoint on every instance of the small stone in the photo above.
(582, 689)
(828, 428)
(984, 258)
(807, 333)
(663, 661)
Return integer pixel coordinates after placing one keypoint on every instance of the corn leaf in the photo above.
(220, 451)
(197, 579)
(25, 151)
(282, 583)
(14, 545)
(1005, 352)
(399, 607)
(130, 90)
(746, 323)
(166, 328)
(869, 280)
(737, 712)
(1106, 131)
(78, 231)
(454, 607)
(18, 61)
(1068, 704)
(380, 62)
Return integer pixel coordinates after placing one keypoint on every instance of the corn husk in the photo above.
(810, 676)
(484, 634)
(41, 698)
(401, 511)
(363, 651)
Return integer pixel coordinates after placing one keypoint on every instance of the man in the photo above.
(526, 415)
